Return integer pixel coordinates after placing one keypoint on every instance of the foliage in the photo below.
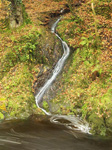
(87, 83)
(45, 105)
(19, 91)
(26, 18)
(26, 49)
(1, 116)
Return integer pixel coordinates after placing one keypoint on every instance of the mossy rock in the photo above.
(97, 125)
(1, 116)
(109, 123)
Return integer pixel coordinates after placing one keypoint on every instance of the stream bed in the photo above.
(38, 133)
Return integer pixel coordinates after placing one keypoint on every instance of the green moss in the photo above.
(84, 94)
(17, 91)
(1, 116)
(26, 19)
(109, 124)
(97, 125)
(26, 49)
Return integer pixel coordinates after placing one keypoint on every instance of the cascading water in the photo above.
(56, 70)
(74, 122)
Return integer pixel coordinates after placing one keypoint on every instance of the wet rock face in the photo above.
(48, 17)
(52, 50)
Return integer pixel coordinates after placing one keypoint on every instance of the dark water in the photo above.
(37, 133)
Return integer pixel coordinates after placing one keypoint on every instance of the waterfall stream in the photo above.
(56, 70)
(75, 123)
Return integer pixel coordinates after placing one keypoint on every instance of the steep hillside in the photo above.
(87, 85)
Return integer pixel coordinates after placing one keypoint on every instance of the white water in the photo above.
(75, 123)
(71, 122)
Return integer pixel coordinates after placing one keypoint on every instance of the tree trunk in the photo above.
(16, 15)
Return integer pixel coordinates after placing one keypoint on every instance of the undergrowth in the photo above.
(88, 82)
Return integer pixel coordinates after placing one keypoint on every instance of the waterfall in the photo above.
(75, 123)
(56, 70)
